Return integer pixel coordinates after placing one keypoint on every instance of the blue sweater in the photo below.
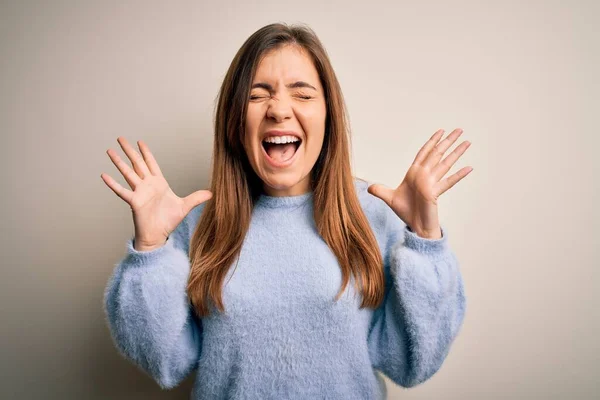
(282, 335)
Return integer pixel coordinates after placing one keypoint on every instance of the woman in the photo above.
(333, 279)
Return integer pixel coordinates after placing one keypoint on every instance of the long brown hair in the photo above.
(225, 219)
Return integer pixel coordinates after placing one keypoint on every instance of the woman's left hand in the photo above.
(415, 200)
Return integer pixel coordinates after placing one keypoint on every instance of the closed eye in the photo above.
(302, 97)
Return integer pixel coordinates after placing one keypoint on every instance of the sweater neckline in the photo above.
(283, 201)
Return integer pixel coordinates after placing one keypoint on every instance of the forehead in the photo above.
(287, 64)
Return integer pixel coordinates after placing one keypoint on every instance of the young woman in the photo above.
(290, 278)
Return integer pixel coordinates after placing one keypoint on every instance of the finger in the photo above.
(130, 176)
(422, 154)
(149, 158)
(443, 167)
(438, 151)
(119, 190)
(139, 165)
(195, 199)
(452, 180)
(384, 193)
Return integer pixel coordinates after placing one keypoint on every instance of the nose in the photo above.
(279, 109)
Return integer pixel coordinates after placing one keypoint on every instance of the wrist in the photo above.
(145, 246)
(427, 234)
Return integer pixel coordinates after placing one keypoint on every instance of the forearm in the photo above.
(422, 313)
(149, 314)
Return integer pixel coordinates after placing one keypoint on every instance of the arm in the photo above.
(148, 313)
(424, 306)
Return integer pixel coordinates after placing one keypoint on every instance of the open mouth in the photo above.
(281, 152)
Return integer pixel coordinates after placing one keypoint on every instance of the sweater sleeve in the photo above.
(148, 313)
(412, 331)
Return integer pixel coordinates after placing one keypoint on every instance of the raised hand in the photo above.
(415, 200)
(156, 209)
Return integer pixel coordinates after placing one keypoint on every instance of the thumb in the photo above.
(196, 199)
(381, 191)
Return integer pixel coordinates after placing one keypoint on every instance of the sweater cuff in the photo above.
(148, 256)
(433, 247)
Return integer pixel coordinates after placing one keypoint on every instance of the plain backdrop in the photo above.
(521, 79)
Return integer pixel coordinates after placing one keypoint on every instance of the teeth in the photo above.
(282, 139)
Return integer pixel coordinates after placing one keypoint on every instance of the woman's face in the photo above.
(285, 121)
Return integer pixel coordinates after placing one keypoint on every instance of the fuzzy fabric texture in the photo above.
(283, 335)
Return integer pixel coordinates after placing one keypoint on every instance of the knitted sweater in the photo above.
(283, 335)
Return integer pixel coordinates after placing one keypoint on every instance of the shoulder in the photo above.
(185, 230)
(381, 217)
(194, 216)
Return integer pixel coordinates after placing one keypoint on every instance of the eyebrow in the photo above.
(298, 84)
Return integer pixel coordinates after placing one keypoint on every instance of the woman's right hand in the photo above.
(157, 210)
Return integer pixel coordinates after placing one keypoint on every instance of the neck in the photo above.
(300, 188)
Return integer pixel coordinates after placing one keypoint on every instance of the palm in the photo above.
(415, 189)
(156, 208)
